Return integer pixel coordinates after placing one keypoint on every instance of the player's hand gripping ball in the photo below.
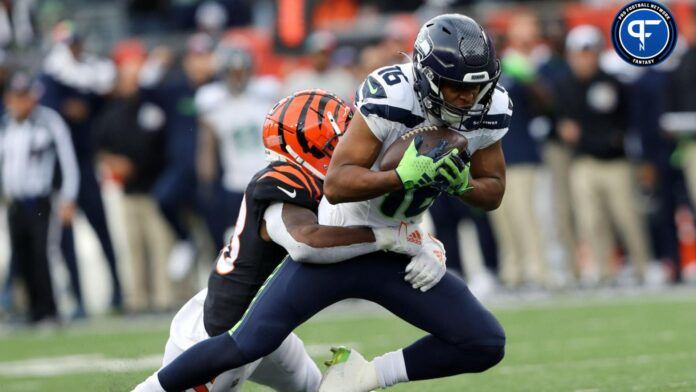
(430, 155)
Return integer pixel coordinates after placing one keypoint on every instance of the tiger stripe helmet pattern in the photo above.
(304, 128)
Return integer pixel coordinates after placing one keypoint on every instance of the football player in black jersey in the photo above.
(278, 216)
(451, 81)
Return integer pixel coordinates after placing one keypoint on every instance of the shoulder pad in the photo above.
(287, 183)
(388, 93)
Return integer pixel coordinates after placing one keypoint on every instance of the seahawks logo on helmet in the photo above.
(424, 45)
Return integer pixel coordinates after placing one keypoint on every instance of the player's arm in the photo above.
(349, 177)
(487, 180)
(206, 154)
(296, 229)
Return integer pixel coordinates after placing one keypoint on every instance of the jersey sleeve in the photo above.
(495, 124)
(385, 99)
(288, 184)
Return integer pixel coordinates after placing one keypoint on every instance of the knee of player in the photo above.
(477, 359)
(491, 356)
(491, 332)
(487, 332)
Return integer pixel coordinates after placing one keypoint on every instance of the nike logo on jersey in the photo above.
(287, 192)
(373, 90)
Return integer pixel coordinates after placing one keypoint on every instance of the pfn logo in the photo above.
(640, 32)
(644, 33)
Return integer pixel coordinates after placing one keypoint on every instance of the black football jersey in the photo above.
(234, 281)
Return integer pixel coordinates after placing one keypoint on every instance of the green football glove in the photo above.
(416, 170)
(456, 175)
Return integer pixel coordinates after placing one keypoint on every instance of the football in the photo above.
(431, 137)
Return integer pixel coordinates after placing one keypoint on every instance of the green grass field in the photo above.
(643, 342)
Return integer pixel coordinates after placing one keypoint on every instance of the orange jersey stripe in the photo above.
(313, 181)
(200, 388)
(299, 174)
(283, 178)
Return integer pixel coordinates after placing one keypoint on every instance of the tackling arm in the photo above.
(349, 177)
(487, 178)
(297, 230)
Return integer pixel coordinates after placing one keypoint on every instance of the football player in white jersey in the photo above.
(231, 112)
(452, 80)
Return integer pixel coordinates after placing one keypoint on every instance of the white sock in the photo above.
(152, 384)
(390, 368)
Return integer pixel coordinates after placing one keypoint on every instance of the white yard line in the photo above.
(97, 363)
(77, 364)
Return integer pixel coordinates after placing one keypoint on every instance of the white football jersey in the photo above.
(237, 122)
(388, 102)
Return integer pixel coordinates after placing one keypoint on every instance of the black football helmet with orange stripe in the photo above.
(304, 128)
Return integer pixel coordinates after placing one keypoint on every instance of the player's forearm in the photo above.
(354, 183)
(296, 230)
(319, 244)
(319, 236)
(487, 193)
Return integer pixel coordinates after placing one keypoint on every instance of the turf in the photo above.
(641, 343)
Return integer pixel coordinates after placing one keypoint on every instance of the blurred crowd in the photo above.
(601, 158)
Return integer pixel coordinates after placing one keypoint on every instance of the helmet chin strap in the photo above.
(452, 118)
(272, 156)
(304, 163)
(333, 123)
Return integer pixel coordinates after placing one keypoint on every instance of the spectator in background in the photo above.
(371, 57)
(557, 155)
(146, 16)
(31, 138)
(322, 74)
(680, 108)
(4, 75)
(16, 23)
(447, 213)
(175, 188)
(515, 222)
(7, 301)
(231, 115)
(130, 141)
(397, 43)
(658, 177)
(211, 18)
(593, 119)
(679, 118)
(74, 84)
(182, 14)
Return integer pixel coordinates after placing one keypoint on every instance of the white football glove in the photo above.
(405, 238)
(427, 268)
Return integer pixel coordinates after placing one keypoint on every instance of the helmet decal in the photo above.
(304, 128)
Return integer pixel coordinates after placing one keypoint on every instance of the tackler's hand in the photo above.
(405, 238)
(428, 267)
